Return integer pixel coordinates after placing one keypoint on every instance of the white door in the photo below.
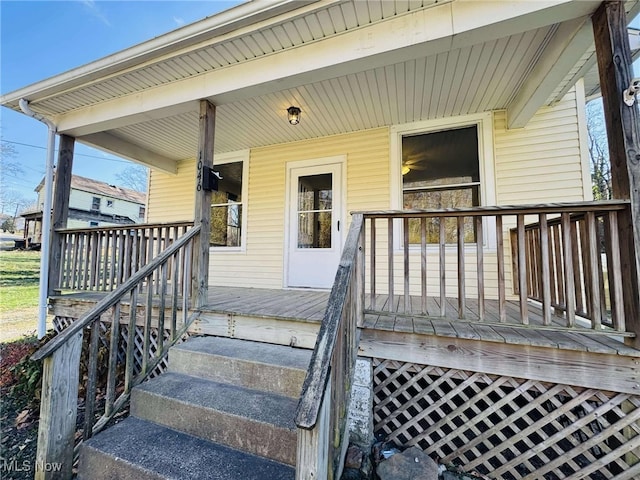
(315, 225)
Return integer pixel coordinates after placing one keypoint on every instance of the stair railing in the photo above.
(62, 355)
(321, 416)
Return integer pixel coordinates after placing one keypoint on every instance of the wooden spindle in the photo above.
(522, 271)
(593, 278)
(577, 271)
(462, 301)
(372, 277)
(423, 265)
(545, 277)
(569, 287)
(391, 302)
(615, 273)
(146, 343)
(480, 266)
(92, 370)
(112, 373)
(163, 301)
(131, 340)
(407, 298)
(441, 252)
(502, 299)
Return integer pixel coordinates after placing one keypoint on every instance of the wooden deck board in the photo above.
(309, 306)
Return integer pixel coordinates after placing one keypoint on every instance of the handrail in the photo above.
(113, 297)
(321, 415)
(531, 209)
(319, 366)
(136, 226)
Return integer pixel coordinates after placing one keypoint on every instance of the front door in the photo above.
(315, 224)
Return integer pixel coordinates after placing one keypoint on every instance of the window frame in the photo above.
(93, 202)
(233, 157)
(486, 157)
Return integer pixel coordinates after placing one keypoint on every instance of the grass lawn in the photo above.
(19, 278)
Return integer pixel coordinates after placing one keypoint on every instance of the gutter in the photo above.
(46, 216)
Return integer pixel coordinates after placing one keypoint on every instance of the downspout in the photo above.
(46, 216)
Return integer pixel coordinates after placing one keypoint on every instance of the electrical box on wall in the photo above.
(210, 179)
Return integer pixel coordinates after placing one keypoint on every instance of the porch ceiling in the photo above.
(519, 62)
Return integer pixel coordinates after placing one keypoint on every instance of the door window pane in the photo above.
(314, 210)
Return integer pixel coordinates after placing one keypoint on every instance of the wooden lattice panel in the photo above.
(508, 428)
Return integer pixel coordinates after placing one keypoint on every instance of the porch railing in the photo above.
(321, 416)
(454, 264)
(62, 355)
(102, 258)
(572, 264)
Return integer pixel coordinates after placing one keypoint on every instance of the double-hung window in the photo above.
(444, 164)
(228, 203)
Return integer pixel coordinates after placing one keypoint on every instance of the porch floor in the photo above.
(308, 306)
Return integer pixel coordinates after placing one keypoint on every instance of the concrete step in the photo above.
(135, 449)
(260, 366)
(260, 423)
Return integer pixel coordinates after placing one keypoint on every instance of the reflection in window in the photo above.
(314, 211)
(441, 170)
(226, 207)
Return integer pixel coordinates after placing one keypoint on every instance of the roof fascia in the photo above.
(227, 22)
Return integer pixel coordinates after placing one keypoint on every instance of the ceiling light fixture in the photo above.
(405, 170)
(294, 115)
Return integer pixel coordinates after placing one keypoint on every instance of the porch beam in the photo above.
(623, 132)
(60, 209)
(570, 41)
(111, 144)
(202, 216)
(442, 28)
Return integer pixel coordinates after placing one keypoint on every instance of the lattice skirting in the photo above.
(60, 323)
(508, 428)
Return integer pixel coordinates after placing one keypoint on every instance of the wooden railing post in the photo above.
(60, 211)
(59, 405)
(312, 461)
(623, 133)
(202, 217)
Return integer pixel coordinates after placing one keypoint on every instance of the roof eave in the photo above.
(221, 23)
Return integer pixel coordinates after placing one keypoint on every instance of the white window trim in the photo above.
(486, 156)
(231, 157)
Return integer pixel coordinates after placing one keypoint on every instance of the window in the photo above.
(93, 224)
(142, 212)
(441, 170)
(95, 204)
(109, 203)
(227, 204)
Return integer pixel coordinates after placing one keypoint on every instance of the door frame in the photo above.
(341, 161)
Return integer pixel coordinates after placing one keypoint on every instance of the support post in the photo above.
(60, 210)
(58, 409)
(623, 133)
(200, 271)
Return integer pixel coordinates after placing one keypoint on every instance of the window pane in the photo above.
(314, 230)
(436, 200)
(315, 192)
(226, 209)
(440, 158)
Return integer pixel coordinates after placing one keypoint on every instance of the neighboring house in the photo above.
(427, 161)
(92, 203)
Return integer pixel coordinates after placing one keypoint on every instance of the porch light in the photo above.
(294, 115)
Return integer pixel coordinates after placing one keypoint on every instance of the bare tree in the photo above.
(598, 151)
(8, 166)
(134, 177)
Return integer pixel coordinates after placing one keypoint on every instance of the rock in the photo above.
(351, 474)
(354, 457)
(412, 464)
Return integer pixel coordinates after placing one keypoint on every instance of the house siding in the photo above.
(541, 163)
(172, 197)
(262, 262)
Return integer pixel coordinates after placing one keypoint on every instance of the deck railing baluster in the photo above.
(593, 278)
(372, 280)
(112, 374)
(462, 291)
(480, 267)
(545, 277)
(92, 370)
(423, 265)
(407, 299)
(391, 301)
(568, 246)
(615, 273)
(502, 299)
(443, 274)
(522, 270)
